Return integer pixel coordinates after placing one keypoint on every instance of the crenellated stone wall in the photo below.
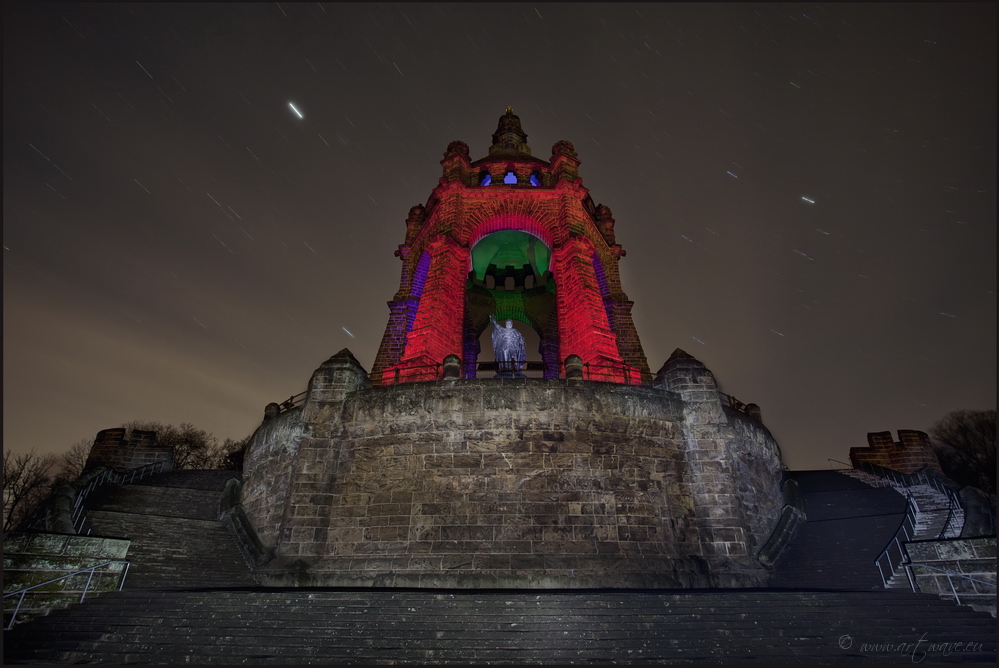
(112, 449)
(911, 453)
(513, 483)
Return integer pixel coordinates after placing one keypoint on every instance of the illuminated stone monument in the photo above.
(590, 471)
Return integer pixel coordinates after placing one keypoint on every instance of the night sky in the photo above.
(806, 194)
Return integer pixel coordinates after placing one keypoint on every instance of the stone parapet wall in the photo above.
(268, 473)
(510, 483)
(33, 558)
(911, 453)
(973, 558)
(112, 449)
(756, 471)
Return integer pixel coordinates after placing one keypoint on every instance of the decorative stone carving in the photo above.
(565, 148)
(605, 222)
(456, 147)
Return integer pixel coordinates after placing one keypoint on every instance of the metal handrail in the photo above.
(470, 370)
(950, 580)
(83, 595)
(910, 520)
(293, 401)
(919, 477)
(79, 516)
(410, 374)
(613, 373)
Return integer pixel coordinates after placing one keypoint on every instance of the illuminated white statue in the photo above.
(508, 346)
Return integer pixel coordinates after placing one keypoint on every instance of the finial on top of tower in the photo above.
(509, 140)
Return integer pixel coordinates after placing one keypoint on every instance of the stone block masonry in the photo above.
(512, 483)
(911, 453)
(113, 450)
(966, 566)
(33, 558)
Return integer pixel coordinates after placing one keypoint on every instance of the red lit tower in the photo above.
(516, 236)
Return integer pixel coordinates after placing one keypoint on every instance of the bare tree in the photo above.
(965, 443)
(231, 453)
(27, 482)
(74, 461)
(193, 448)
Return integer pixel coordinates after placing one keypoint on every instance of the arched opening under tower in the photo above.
(509, 278)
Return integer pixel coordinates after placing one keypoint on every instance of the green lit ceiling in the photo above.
(510, 248)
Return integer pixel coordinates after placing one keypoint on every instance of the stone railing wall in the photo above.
(975, 558)
(35, 557)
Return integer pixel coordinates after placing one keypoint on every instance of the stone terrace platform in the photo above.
(823, 608)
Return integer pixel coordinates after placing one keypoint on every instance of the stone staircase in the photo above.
(172, 521)
(383, 626)
(932, 506)
(191, 600)
(847, 524)
(932, 514)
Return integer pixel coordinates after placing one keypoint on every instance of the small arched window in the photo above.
(510, 178)
(535, 179)
(485, 178)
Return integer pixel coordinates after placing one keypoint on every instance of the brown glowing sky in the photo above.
(180, 246)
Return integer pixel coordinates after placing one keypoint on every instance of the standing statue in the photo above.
(508, 346)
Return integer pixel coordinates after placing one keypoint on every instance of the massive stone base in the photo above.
(513, 571)
(513, 483)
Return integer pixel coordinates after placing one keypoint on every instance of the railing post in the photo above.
(950, 581)
(17, 609)
(87, 586)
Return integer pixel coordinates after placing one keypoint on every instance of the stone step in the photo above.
(932, 512)
(175, 551)
(172, 522)
(510, 626)
(848, 524)
(149, 500)
(209, 480)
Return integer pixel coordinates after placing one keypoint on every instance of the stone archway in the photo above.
(509, 276)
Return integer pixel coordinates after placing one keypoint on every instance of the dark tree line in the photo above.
(27, 482)
(193, 448)
(965, 443)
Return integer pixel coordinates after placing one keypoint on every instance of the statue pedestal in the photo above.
(509, 374)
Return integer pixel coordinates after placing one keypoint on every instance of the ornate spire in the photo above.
(509, 138)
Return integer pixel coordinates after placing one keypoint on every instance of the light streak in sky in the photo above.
(810, 201)
(348, 332)
(290, 104)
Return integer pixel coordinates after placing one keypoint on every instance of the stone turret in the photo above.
(509, 138)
